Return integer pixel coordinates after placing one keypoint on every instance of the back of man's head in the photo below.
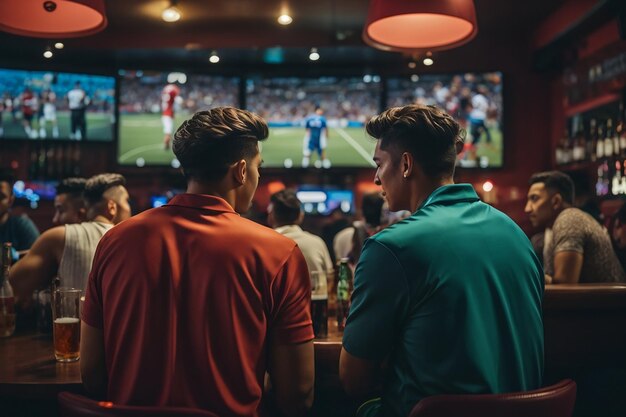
(556, 182)
(74, 187)
(69, 203)
(212, 140)
(428, 133)
(372, 208)
(286, 208)
(106, 195)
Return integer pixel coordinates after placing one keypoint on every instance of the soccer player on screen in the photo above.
(315, 139)
(168, 98)
(77, 101)
(48, 113)
(29, 110)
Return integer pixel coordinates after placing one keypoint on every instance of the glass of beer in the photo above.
(66, 324)
(319, 303)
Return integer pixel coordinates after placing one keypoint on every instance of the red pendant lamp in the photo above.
(52, 18)
(413, 25)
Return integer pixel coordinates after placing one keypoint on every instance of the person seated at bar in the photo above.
(618, 229)
(285, 215)
(67, 251)
(190, 304)
(69, 203)
(576, 247)
(448, 300)
(19, 230)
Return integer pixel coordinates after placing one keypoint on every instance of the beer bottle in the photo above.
(344, 284)
(7, 300)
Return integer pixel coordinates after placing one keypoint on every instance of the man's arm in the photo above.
(567, 267)
(358, 377)
(92, 365)
(292, 374)
(40, 265)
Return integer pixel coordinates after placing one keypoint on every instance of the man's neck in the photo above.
(425, 189)
(101, 219)
(217, 189)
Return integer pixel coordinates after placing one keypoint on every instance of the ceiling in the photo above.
(242, 30)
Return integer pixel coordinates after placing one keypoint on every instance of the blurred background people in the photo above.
(69, 202)
(19, 230)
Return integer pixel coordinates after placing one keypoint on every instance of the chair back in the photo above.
(553, 401)
(74, 405)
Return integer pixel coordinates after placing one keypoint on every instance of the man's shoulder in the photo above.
(21, 221)
(573, 216)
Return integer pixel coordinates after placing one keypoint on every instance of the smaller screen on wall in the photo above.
(152, 105)
(473, 99)
(56, 105)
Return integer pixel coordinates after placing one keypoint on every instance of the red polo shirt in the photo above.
(188, 296)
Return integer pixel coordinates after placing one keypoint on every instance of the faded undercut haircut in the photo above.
(212, 140)
(428, 133)
(286, 207)
(96, 186)
(555, 182)
(73, 187)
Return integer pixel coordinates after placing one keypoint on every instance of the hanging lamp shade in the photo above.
(411, 25)
(52, 18)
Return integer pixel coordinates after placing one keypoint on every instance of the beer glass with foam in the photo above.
(66, 324)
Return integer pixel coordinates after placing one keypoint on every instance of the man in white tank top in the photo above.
(67, 251)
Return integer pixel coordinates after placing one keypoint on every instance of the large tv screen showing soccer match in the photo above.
(316, 122)
(152, 105)
(473, 99)
(56, 105)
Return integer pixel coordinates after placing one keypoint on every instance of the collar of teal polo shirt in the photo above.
(451, 194)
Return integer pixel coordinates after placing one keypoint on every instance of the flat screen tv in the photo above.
(298, 110)
(147, 96)
(473, 99)
(325, 200)
(56, 105)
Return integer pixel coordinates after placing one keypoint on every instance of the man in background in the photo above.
(285, 215)
(77, 101)
(216, 300)
(315, 139)
(67, 251)
(168, 99)
(576, 247)
(19, 230)
(69, 203)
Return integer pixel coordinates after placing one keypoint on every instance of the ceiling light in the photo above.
(214, 58)
(412, 64)
(401, 25)
(47, 54)
(59, 45)
(314, 55)
(415, 78)
(52, 19)
(172, 13)
(284, 19)
(428, 62)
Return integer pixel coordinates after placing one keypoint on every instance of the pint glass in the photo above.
(319, 303)
(66, 324)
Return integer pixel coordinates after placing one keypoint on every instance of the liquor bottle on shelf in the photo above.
(616, 181)
(600, 142)
(605, 177)
(608, 139)
(600, 181)
(593, 135)
(7, 300)
(620, 130)
(561, 149)
(580, 152)
(623, 179)
(616, 145)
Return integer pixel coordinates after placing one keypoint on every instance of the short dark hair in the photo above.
(372, 208)
(428, 133)
(73, 186)
(213, 139)
(286, 206)
(96, 186)
(556, 181)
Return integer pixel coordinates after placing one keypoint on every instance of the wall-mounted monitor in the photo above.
(324, 200)
(473, 99)
(153, 104)
(312, 119)
(56, 105)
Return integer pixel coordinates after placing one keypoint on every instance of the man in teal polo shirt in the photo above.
(447, 301)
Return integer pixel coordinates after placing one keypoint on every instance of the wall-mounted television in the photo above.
(151, 103)
(473, 99)
(325, 200)
(56, 105)
(307, 115)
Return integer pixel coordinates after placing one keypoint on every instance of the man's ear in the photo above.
(557, 201)
(240, 171)
(82, 213)
(407, 164)
(111, 208)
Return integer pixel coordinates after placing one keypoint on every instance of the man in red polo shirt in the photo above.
(190, 304)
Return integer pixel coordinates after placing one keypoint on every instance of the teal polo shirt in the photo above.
(451, 296)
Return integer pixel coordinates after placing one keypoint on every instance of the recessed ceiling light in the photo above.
(428, 62)
(314, 55)
(172, 13)
(47, 54)
(284, 19)
(412, 64)
(59, 45)
(214, 58)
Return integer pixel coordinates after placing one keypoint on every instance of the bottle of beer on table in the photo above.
(344, 288)
(7, 300)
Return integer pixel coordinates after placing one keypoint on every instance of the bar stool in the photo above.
(74, 405)
(553, 401)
